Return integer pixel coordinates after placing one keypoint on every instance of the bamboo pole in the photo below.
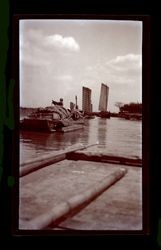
(99, 157)
(74, 203)
(40, 162)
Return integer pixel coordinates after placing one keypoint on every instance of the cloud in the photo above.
(35, 57)
(35, 36)
(59, 41)
(40, 49)
(125, 69)
(119, 72)
(64, 78)
(129, 62)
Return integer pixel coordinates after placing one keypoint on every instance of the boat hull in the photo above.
(36, 125)
(104, 114)
(44, 125)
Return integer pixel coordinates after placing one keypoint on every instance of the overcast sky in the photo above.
(58, 57)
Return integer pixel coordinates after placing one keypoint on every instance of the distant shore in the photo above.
(25, 111)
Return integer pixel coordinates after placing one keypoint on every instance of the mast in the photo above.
(76, 106)
(103, 97)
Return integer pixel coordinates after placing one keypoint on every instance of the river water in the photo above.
(114, 136)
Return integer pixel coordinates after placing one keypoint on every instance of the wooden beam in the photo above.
(99, 157)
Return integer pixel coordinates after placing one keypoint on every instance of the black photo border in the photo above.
(145, 52)
(148, 235)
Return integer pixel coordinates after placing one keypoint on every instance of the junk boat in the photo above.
(53, 118)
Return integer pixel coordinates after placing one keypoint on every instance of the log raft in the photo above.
(75, 153)
(49, 183)
(73, 204)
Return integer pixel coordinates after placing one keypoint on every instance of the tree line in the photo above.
(130, 107)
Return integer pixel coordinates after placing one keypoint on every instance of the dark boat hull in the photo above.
(35, 125)
(104, 114)
(44, 125)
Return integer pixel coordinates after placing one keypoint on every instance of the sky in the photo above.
(59, 57)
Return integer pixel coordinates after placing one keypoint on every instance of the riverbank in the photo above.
(24, 111)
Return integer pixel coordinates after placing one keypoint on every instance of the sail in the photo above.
(86, 100)
(103, 97)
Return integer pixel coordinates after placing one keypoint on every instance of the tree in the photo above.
(119, 104)
(131, 108)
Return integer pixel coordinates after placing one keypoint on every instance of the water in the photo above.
(115, 136)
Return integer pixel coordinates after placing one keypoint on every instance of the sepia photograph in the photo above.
(80, 139)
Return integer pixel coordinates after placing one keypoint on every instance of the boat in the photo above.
(54, 118)
(103, 101)
(131, 116)
(104, 114)
(89, 116)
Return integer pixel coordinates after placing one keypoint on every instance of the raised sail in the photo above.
(103, 97)
(86, 100)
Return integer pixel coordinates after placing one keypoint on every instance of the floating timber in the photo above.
(40, 162)
(100, 157)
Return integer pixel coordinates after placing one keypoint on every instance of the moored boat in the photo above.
(53, 118)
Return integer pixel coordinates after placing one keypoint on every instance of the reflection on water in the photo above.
(115, 136)
(102, 131)
(49, 141)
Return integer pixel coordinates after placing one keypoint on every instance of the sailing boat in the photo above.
(103, 101)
